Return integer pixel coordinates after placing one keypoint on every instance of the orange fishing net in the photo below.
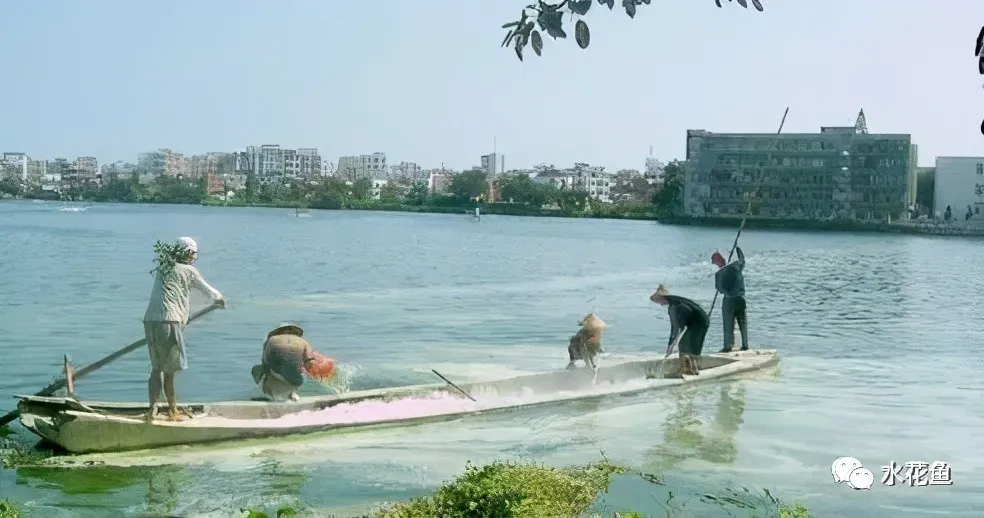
(321, 368)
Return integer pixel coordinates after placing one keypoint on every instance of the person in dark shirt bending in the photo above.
(688, 317)
(730, 283)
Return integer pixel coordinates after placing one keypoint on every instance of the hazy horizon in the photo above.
(429, 83)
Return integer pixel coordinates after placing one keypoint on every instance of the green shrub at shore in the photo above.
(505, 489)
(9, 510)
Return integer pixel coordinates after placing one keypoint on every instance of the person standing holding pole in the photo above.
(166, 316)
(729, 281)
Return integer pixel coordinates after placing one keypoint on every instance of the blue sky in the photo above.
(427, 81)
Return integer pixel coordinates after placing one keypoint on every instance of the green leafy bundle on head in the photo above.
(167, 255)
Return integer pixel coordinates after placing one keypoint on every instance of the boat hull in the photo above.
(98, 427)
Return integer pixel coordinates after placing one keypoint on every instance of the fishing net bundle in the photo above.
(322, 370)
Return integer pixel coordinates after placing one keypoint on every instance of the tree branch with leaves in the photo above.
(549, 17)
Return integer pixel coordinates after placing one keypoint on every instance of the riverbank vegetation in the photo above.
(9, 510)
(499, 489)
(533, 490)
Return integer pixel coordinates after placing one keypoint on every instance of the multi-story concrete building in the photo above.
(841, 172)
(151, 163)
(302, 163)
(87, 169)
(214, 163)
(118, 169)
(494, 165)
(15, 164)
(352, 168)
(57, 175)
(36, 171)
(592, 180)
(175, 164)
(407, 171)
(201, 166)
(266, 162)
(558, 179)
(271, 164)
(959, 185)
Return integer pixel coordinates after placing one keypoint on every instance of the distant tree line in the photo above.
(632, 194)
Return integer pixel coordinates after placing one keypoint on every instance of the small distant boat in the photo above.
(302, 213)
(98, 427)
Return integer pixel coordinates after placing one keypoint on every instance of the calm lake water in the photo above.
(880, 336)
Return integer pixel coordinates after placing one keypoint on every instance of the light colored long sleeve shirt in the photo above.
(170, 299)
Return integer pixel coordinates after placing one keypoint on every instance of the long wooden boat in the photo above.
(91, 427)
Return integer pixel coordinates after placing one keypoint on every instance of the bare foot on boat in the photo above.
(150, 416)
(176, 416)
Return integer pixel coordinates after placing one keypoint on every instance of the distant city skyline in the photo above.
(113, 79)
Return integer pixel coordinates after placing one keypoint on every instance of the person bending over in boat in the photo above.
(729, 281)
(286, 358)
(684, 313)
(166, 316)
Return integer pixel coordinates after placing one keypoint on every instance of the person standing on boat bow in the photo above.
(166, 316)
(729, 281)
(688, 317)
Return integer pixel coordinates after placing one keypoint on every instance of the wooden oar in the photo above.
(449, 382)
(60, 383)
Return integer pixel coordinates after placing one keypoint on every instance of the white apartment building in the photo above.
(362, 166)
(272, 164)
(597, 183)
(15, 164)
(959, 185)
(594, 181)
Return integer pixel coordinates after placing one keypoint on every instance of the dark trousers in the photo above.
(693, 340)
(733, 308)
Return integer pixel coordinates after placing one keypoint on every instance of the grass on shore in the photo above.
(533, 490)
(9, 510)
(14, 454)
